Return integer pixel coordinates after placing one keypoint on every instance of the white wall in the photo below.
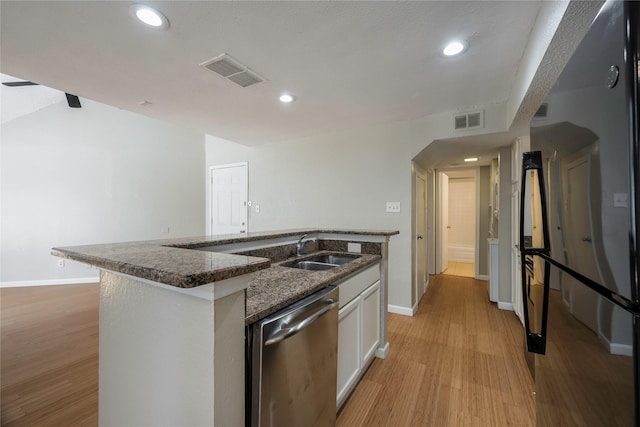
(93, 175)
(338, 180)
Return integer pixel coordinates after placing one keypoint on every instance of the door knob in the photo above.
(448, 226)
(586, 239)
(420, 236)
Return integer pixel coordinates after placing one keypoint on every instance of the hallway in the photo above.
(459, 361)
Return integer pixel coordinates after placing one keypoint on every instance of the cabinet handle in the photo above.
(284, 333)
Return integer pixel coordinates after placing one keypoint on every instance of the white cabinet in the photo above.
(370, 302)
(358, 329)
(349, 360)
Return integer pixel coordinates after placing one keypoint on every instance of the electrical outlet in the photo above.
(257, 208)
(393, 206)
(61, 263)
(354, 247)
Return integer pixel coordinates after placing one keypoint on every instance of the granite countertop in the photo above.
(172, 262)
(277, 287)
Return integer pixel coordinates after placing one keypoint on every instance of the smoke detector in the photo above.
(231, 69)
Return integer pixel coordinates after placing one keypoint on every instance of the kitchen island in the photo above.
(173, 312)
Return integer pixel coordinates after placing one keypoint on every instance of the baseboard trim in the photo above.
(505, 306)
(621, 349)
(52, 282)
(383, 351)
(397, 309)
(617, 349)
(482, 277)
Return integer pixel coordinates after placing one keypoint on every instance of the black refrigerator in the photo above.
(579, 246)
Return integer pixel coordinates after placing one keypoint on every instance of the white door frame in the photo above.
(209, 224)
(441, 250)
(476, 261)
(441, 222)
(420, 283)
(431, 222)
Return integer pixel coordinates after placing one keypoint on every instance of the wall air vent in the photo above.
(542, 112)
(468, 121)
(227, 67)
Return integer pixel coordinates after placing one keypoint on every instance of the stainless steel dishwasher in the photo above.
(293, 362)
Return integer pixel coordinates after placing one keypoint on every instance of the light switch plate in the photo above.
(393, 206)
(620, 200)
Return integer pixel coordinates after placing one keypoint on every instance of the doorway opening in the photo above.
(458, 222)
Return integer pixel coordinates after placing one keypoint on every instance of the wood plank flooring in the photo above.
(457, 362)
(455, 268)
(49, 355)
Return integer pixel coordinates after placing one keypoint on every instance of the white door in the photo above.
(443, 247)
(584, 301)
(229, 199)
(520, 146)
(461, 225)
(421, 237)
(516, 278)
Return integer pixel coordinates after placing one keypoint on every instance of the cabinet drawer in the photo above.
(355, 285)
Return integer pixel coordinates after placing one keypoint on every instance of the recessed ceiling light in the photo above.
(149, 16)
(455, 47)
(471, 159)
(286, 98)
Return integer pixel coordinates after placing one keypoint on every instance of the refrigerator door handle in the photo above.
(534, 249)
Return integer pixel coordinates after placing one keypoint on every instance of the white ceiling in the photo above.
(18, 101)
(349, 64)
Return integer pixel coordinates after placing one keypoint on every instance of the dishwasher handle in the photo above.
(282, 333)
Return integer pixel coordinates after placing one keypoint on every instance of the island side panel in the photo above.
(383, 346)
(156, 355)
(229, 360)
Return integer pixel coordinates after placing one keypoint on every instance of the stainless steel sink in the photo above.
(321, 262)
(332, 259)
(312, 265)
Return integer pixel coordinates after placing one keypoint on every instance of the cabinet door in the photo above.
(370, 321)
(349, 348)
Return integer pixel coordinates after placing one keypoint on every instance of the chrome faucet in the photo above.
(300, 245)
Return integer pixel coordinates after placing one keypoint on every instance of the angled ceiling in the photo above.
(349, 64)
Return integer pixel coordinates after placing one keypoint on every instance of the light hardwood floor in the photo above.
(457, 362)
(463, 269)
(49, 355)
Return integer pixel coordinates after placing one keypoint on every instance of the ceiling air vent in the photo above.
(468, 121)
(227, 67)
(542, 112)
